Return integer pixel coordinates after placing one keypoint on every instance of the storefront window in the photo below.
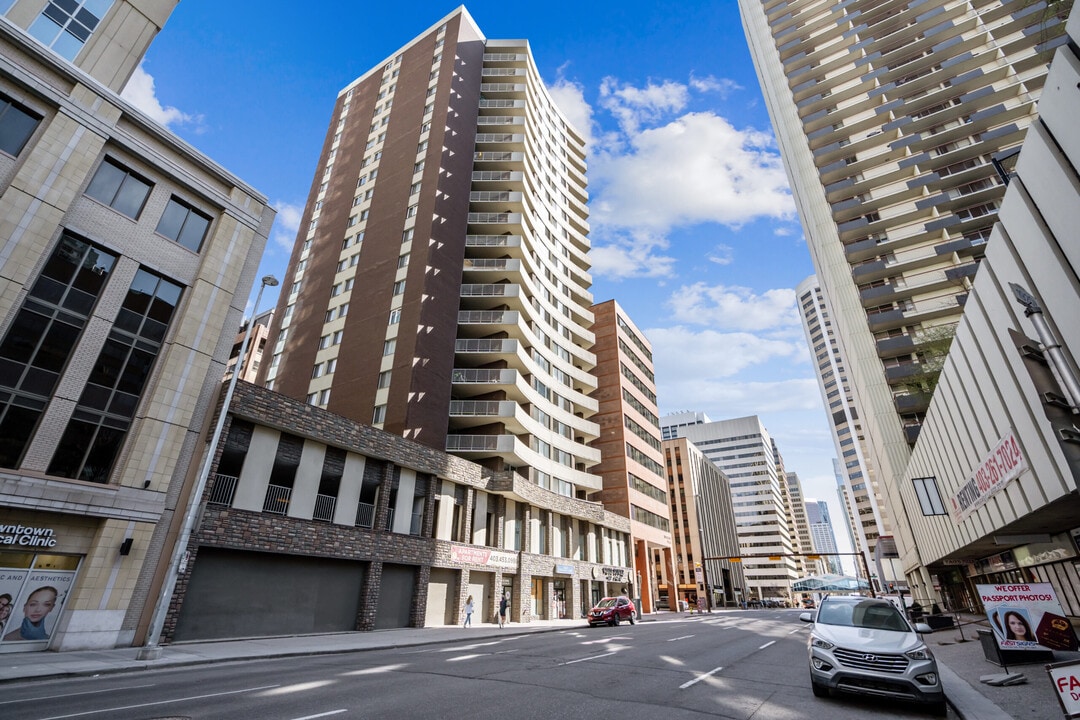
(33, 590)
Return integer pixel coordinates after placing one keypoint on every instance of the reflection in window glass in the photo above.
(184, 224)
(17, 124)
(43, 336)
(119, 188)
(96, 432)
(66, 25)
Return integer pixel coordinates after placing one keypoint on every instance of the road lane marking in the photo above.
(798, 629)
(325, 714)
(681, 637)
(699, 678)
(466, 657)
(161, 702)
(67, 695)
(771, 642)
(591, 657)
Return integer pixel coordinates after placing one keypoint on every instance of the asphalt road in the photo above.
(734, 665)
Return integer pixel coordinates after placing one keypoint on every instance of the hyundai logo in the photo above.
(870, 658)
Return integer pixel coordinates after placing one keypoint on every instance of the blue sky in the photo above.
(693, 227)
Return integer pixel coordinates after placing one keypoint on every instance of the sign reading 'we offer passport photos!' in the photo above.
(1027, 616)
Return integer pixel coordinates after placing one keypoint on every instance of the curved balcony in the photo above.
(498, 160)
(502, 199)
(470, 382)
(483, 351)
(475, 413)
(488, 322)
(492, 246)
(491, 296)
(503, 179)
(494, 223)
(490, 265)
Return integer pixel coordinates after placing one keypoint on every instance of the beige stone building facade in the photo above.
(125, 261)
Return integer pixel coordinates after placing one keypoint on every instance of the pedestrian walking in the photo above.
(504, 606)
(468, 612)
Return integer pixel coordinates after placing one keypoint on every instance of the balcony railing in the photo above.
(483, 375)
(491, 263)
(324, 508)
(479, 408)
(365, 515)
(493, 156)
(277, 499)
(224, 490)
(496, 218)
(492, 241)
(488, 317)
(490, 196)
(485, 345)
(488, 290)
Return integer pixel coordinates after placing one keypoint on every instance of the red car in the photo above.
(612, 611)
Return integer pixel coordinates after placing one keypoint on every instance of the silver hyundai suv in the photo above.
(866, 646)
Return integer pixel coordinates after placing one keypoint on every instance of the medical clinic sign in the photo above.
(1004, 463)
(27, 536)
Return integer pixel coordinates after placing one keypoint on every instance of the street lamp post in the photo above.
(152, 649)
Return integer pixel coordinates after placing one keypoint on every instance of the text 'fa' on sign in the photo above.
(1065, 677)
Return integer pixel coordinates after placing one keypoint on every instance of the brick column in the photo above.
(387, 474)
(369, 596)
(418, 614)
(519, 599)
(427, 525)
(463, 592)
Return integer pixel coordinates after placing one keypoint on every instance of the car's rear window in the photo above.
(871, 615)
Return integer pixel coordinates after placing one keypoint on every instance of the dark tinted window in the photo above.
(119, 188)
(17, 124)
(184, 224)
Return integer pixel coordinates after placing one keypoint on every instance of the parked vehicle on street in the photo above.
(612, 611)
(865, 646)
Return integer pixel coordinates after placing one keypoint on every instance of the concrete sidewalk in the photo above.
(958, 650)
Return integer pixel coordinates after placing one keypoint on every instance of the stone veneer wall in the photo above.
(385, 454)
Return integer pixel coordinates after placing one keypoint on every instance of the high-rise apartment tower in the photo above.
(441, 267)
(889, 117)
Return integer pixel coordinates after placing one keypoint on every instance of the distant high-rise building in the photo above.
(743, 449)
(441, 266)
(824, 537)
(631, 462)
(126, 259)
(797, 519)
(845, 423)
(704, 519)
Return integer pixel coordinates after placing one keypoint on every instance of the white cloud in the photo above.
(619, 256)
(286, 223)
(569, 97)
(722, 255)
(708, 355)
(141, 93)
(730, 399)
(722, 86)
(633, 106)
(734, 308)
(695, 169)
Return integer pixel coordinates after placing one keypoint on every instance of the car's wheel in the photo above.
(615, 619)
(632, 618)
(939, 709)
(819, 689)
